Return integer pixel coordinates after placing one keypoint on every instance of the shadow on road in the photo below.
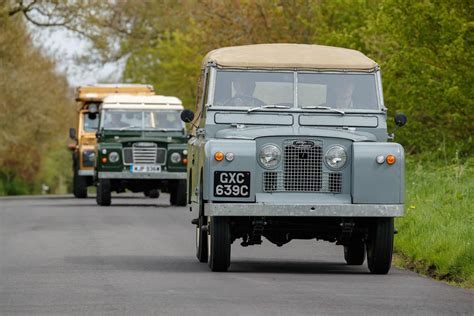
(190, 264)
(105, 207)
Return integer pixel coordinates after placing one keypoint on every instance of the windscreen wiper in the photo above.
(268, 106)
(322, 107)
(128, 127)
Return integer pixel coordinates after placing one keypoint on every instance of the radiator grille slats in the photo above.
(302, 170)
(148, 153)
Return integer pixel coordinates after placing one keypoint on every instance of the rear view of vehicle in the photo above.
(84, 153)
(141, 148)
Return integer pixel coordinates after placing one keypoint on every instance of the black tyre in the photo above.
(79, 186)
(219, 244)
(152, 194)
(380, 246)
(103, 197)
(201, 240)
(202, 251)
(178, 194)
(354, 253)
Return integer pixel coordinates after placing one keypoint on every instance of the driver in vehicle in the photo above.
(243, 96)
(344, 95)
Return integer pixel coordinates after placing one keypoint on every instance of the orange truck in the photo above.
(89, 99)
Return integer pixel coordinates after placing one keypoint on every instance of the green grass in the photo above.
(436, 235)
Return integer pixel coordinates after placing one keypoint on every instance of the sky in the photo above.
(66, 47)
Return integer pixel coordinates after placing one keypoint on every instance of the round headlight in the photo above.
(90, 155)
(336, 157)
(175, 157)
(270, 156)
(114, 156)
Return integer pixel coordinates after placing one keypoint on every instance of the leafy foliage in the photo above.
(34, 112)
(424, 49)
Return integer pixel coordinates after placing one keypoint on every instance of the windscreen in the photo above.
(271, 88)
(158, 120)
(251, 89)
(90, 125)
(339, 91)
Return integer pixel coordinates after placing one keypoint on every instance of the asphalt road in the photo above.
(60, 255)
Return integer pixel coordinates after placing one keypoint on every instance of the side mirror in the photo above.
(72, 133)
(400, 119)
(187, 116)
(92, 115)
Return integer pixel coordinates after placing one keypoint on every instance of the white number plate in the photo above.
(145, 168)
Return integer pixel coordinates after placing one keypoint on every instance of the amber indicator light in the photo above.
(219, 155)
(390, 159)
(184, 161)
(104, 160)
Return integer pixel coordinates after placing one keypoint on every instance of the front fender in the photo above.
(374, 183)
(245, 160)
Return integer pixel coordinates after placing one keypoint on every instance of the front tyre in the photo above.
(201, 240)
(219, 243)
(104, 196)
(380, 246)
(178, 194)
(354, 253)
(79, 185)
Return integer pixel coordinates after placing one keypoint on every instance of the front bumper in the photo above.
(164, 175)
(85, 172)
(321, 210)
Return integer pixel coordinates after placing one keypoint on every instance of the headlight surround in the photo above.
(88, 158)
(336, 157)
(269, 156)
(114, 156)
(175, 157)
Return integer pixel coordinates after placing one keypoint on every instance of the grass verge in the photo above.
(436, 235)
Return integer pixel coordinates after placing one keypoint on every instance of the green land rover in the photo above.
(141, 147)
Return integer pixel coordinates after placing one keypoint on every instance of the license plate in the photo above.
(145, 168)
(232, 183)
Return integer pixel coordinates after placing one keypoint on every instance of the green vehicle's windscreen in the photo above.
(159, 120)
(306, 89)
(90, 125)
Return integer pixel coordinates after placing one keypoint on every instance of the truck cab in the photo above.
(89, 99)
(290, 142)
(141, 148)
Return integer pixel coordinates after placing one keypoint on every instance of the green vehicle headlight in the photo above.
(336, 157)
(270, 156)
(114, 156)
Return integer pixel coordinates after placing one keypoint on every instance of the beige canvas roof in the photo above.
(289, 56)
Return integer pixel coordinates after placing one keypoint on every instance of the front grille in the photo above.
(302, 165)
(302, 170)
(144, 153)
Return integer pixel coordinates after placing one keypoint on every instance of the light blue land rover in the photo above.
(290, 142)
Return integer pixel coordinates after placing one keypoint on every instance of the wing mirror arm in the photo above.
(99, 133)
(400, 121)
